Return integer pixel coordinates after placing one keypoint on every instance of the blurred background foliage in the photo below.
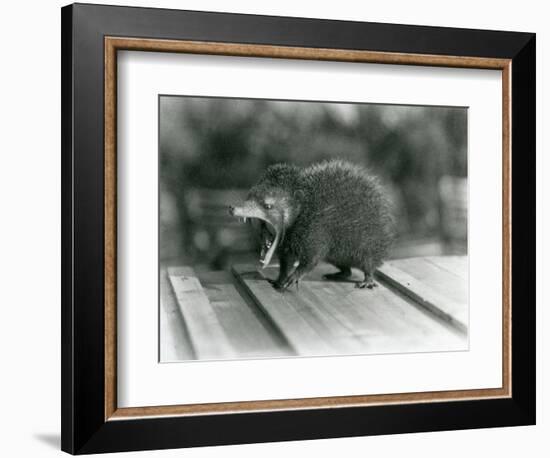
(213, 149)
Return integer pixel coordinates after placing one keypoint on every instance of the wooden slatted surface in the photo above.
(250, 334)
(328, 318)
(420, 305)
(438, 283)
(174, 338)
(207, 336)
(289, 318)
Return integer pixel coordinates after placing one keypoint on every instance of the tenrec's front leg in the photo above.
(286, 266)
(311, 249)
(307, 262)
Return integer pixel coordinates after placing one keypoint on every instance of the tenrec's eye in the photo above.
(268, 206)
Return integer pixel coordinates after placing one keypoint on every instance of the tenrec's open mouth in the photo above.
(270, 237)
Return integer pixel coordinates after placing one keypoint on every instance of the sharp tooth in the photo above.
(244, 219)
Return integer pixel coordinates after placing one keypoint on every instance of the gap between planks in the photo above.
(207, 335)
(453, 311)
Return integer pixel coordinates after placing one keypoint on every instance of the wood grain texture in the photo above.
(281, 310)
(439, 286)
(507, 227)
(207, 335)
(388, 323)
(290, 52)
(249, 334)
(110, 235)
(335, 318)
(131, 413)
(174, 340)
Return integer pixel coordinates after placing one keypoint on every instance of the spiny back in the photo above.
(341, 182)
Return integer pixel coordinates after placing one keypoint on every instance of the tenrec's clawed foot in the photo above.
(366, 284)
(280, 286)
(275, 283)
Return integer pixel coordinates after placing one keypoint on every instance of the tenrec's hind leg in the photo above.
(343, 274)
(368, 282)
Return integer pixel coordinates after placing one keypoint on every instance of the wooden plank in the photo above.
(327, 318)
(330, 318)
(207, 336)
(281, 310)
(448, 278)
(437, 269)
(247, 330)
(458, 265)
(174, 341)
(391, 323)
(431, 292)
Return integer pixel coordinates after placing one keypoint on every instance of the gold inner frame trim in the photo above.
(114, 44)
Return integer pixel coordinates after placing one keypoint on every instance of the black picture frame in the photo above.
(84, 428)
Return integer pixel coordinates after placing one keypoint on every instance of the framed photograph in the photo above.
(283, 228)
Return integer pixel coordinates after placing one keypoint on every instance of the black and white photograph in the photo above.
(275, 229)
(293, 228)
